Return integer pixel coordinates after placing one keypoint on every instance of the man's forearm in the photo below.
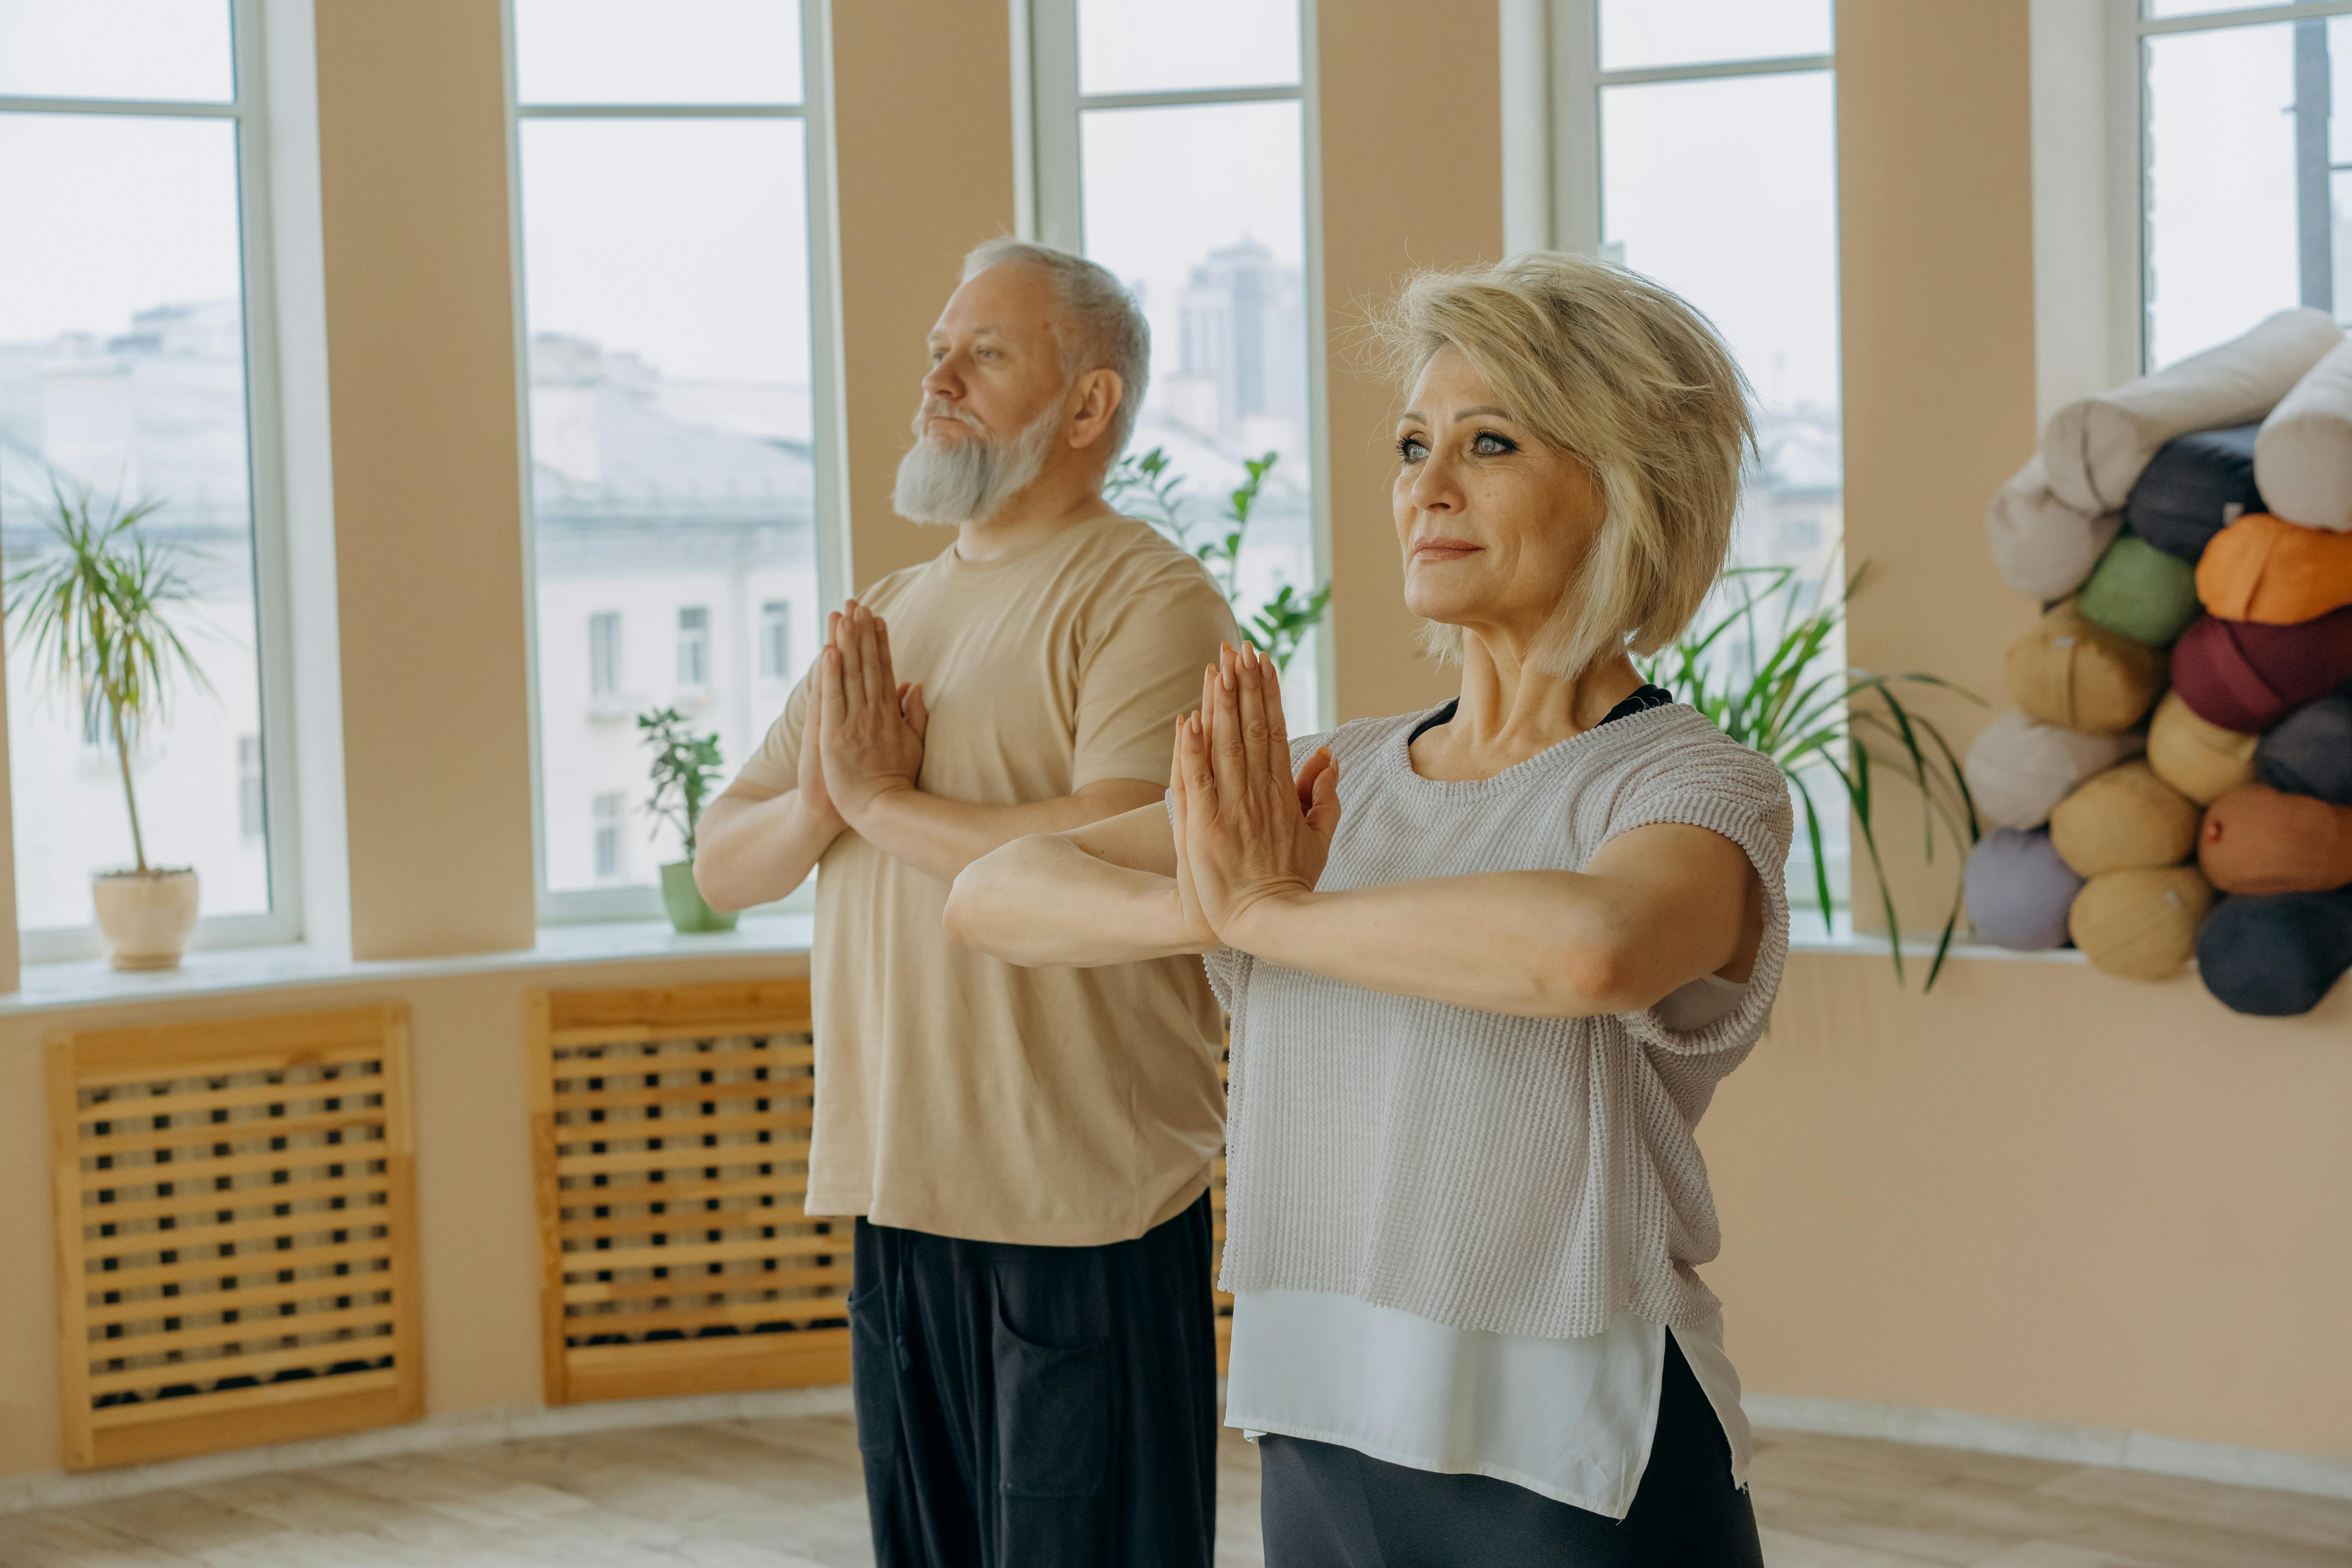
(941, 836)
(755, 852)
(1044, 900)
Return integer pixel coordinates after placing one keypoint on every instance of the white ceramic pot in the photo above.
(146, 918)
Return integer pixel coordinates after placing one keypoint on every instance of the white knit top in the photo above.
(1525, 1176)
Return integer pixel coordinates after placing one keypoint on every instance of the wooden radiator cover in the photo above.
(669, 1140)
(235, 1233)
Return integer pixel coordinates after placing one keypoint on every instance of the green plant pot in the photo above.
(684, 901)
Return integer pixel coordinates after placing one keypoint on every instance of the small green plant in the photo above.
(1148, 484)
(95, 615)
(1759, 669)
(685, 771)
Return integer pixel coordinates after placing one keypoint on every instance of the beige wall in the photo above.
(923, 132)
(428, 501)
(1936, 237)
(2038, 1192)
(1410, 178)
(2041, 1194)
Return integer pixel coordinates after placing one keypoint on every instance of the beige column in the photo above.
(923, 145)
(427, 483)
(1936, 246)
(1412, 132)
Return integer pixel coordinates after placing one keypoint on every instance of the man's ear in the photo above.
(1098, 395)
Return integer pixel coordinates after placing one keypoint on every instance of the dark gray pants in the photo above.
(1037, 1406)
(1328, 1507)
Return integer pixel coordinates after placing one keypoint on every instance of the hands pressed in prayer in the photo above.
(869, 726)
(1249, 835)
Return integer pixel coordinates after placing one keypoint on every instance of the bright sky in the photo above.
(684, 241)
(1165, 186)
(1150, 46)
(679, 51)
(1726, 191)
(116, 48)
(1635, 34)
(110, 215)
(2221, 180)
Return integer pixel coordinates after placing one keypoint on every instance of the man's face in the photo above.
(995, 366)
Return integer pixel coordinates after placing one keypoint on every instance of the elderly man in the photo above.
(1027, 1150)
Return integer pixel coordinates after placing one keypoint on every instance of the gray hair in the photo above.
(1102, 326)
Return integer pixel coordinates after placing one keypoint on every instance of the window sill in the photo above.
(1806, 936)
(217, 971)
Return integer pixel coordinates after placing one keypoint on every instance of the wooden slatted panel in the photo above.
(670, 1132)
(235, 1233)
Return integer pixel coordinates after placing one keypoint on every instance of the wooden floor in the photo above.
(785, 1493)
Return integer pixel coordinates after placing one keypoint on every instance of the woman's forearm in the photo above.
(1045, 900)
(1544, 944)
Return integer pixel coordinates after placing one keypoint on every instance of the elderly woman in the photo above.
(1485, 965)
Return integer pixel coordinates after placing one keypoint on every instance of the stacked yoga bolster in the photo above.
(2189, 530)
(2302, 459)
(2093, 451)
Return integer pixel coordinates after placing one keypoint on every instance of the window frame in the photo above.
(1049, 194)
(248, 111)
(2130, 295)
(827, 451)
(1566, 169)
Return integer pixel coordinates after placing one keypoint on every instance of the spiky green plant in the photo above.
(94, 615)
(686, 769)
(1756, 661)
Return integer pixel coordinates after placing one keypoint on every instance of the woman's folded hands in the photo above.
(1250, 837)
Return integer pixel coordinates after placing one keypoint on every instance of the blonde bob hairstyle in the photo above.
(1606, 366)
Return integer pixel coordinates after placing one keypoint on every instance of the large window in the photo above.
(2245, 169)
(666, 182)
(1171, 146)
(134, 370)
(1696, 142)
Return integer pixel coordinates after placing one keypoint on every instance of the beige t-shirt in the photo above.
(960, 1095)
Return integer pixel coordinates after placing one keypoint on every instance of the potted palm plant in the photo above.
(685, 771)
(94, 614)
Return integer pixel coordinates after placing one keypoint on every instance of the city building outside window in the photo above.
(694, 647)
(671, 193)
(603, 653)
(1697, 143)
(2244, 168)
(605, 813)
(252, 807)
(136, 365)
(776, 661)
(1172, 144)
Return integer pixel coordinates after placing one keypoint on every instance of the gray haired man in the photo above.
(1027, 1150)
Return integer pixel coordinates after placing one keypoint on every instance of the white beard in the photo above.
(972, 481)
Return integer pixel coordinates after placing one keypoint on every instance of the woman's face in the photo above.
(1494, 524)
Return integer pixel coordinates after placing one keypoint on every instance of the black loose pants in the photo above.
(1328, 1507)
(1037, 1406)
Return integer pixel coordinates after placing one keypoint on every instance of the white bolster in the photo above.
(2094, 450)
(2303, 455)
(2041, 546)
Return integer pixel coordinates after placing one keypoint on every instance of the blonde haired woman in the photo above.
(1485, 965)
